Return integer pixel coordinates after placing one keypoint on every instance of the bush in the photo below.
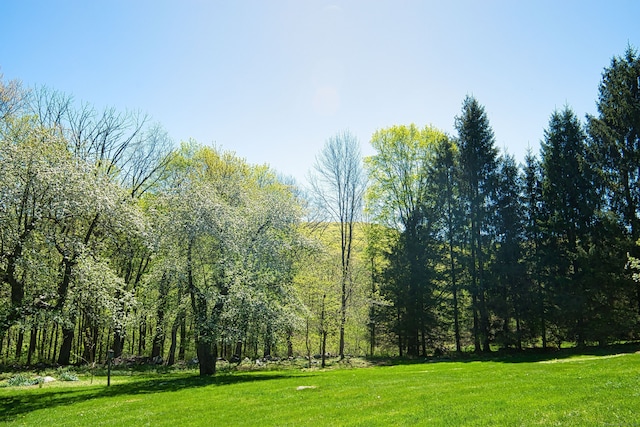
(21, 380)
(65, 375)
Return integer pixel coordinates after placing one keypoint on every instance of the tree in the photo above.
(615, 137)
(34, 165)
(510, 293)
(53, 202)
(478, 162)
(380, 239)
(397, 198)
(446, 188)
(614, 140)
(338, 184)
(12, 97)
(230, 228)
(570, 203)
(532, 211)
(315, 286)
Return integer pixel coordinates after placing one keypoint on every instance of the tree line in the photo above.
(113, 238)
(489, 253)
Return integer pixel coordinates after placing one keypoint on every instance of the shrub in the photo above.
(21, 380)
(67, 376)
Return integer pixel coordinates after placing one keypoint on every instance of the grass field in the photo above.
(602, 388)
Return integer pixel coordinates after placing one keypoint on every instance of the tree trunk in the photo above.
(343, 315)
(99, 350)
(324, 348)
(476, 327)
(456, 320)
(2, 335)
(289, 343)
(64, 356)
(372, 337)
(19, 344)
(68, 333)
(183, 338)
(372, 311)
(267, 350)
(171, 360)
(117, 344)
(268, 338)
(41, 346)
(400, 343)
(207, 354)
(519, 333)
(323, 333)
(88, 344)
(454, 288)
(307, 341)
(53, 344)
(204, 338)
(237, 353)
(8, 344)
(474, 291)
(32, 344)
(158, 339)
(484, 313)
(142, 340)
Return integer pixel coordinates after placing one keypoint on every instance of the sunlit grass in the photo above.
(579, 390)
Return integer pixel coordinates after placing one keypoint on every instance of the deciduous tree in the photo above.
(338, 183)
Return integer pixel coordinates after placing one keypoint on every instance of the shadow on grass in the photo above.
(28, 400)
(515, 356)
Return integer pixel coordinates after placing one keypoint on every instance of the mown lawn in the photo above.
(578, 390)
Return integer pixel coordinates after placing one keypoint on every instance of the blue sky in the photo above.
(272, 80)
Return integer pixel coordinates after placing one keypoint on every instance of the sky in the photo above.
(272, 80)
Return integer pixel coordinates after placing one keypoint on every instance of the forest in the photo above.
(113, 237)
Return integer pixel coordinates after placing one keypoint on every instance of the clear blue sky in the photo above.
(272, 80)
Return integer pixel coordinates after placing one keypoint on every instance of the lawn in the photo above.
(588, 389)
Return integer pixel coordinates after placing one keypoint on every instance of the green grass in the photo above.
(594, 389)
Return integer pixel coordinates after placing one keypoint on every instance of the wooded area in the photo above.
(113, 238)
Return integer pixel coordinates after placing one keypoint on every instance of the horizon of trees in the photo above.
(112, 238)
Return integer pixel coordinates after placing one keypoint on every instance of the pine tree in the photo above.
(570, 203)
(478, 161)
(615, 137)
(615, 144)
(510, 294)
(532, 211)
(446, 189)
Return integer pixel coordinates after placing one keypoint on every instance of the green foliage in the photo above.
(478, 168)
(402, 197)
(398, 172)
(22, 380)
(111, 240)
(615, 137)
(64, 374)
(230, 229)
(319, 275)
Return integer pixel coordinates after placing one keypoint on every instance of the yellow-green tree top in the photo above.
(398, 173)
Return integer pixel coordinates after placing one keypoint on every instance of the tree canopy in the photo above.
(113, 237)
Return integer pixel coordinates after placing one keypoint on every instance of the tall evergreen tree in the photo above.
(615, 137)
(532, 195)
(509, 295)
(478, 161)
(446, 190)
(615, 143)
(570, 203)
